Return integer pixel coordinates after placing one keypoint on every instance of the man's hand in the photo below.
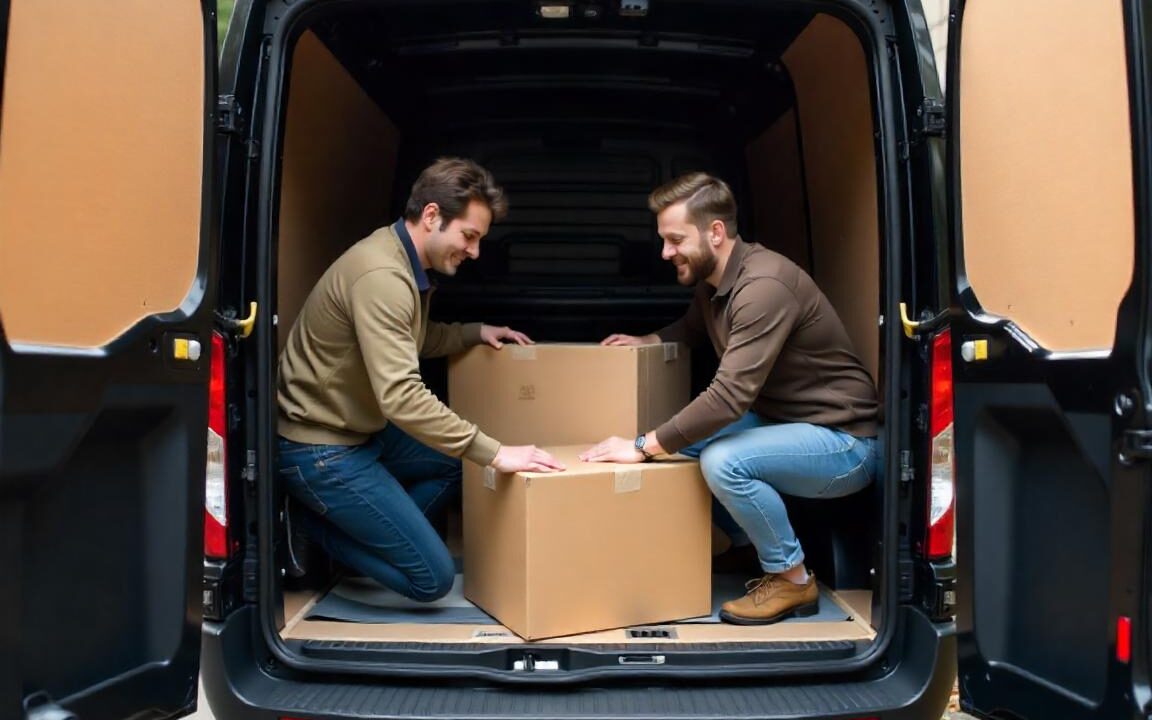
(525, 458)
(614, 449)
(493, 336)
(620, 339)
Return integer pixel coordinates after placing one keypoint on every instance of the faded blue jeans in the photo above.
(748, 464)
(369, 507)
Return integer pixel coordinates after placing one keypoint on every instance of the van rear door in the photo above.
(1049, 184)
(106, 284)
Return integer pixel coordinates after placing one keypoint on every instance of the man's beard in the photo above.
(698, 267)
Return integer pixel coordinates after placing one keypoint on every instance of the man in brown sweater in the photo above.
(791, 409)
(364, 445)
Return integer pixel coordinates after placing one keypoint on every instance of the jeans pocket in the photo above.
(299, 488)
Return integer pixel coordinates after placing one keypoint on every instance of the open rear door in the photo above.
(106, 281)
(1050, 241)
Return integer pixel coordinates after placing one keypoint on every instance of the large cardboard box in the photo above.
(566, 394)
(595, 547)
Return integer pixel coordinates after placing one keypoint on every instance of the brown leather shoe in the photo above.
(771, 599)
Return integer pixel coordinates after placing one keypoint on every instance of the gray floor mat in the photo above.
(361, 600)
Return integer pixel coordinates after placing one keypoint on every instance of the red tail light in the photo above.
(942, 495)
(215, 480)
(1124, 639)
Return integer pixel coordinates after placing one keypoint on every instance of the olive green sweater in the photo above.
(351, 364)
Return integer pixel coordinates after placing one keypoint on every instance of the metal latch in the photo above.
(242, 327)
(229, 115)
(1136, 445)
(933, 119)
(926, 324)
(907, 472)
(531, 663)
(249, 471)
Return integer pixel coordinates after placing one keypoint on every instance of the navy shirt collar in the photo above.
(422, 283)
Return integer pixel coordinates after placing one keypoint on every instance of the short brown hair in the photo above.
(706, 198)
(452, 183)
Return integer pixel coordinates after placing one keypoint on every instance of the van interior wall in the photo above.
(336, 183)
(813, 177)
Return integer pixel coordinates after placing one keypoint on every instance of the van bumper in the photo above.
(239, 685)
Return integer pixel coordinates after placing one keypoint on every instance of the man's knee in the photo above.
(435, 582)
(719, 467)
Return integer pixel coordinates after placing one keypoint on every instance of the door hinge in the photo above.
(1136, 445)
(933, 119)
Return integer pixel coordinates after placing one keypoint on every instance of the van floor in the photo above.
(852, 622)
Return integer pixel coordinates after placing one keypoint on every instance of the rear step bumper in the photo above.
(922, 662)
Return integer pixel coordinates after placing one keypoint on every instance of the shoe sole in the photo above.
(799, 611)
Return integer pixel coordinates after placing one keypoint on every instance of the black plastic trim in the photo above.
(589, 656)
(241, 685)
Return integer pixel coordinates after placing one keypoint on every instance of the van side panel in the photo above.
(339, 159)
(830, 75)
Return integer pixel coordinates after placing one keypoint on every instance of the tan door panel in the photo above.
(101, 166)
(1046, 166)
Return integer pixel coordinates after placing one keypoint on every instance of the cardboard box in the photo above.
(566, 394)
(595, 547)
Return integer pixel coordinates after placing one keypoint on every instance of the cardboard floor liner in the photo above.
(360, 610)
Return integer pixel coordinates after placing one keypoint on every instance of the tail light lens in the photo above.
(942, 495)
(215, 479)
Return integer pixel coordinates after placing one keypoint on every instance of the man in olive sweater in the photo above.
(791, 409)
(364, 445)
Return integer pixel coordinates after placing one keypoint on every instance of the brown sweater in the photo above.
(351, 364)
(783, 353)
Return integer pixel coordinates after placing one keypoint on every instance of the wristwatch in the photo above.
(639, 444)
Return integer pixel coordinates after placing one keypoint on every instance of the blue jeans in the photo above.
(369, 507)
(748, 464)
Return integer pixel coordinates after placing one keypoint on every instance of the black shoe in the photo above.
(737, 560)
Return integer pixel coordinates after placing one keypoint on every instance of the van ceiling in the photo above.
(702, 68)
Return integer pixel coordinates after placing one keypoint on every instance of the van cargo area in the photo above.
(579, 120)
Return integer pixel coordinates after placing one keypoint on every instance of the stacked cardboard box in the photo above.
(567, 394)
(599, 545)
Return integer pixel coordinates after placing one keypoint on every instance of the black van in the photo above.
(162, 216)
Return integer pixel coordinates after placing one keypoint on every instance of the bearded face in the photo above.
(685, 246)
